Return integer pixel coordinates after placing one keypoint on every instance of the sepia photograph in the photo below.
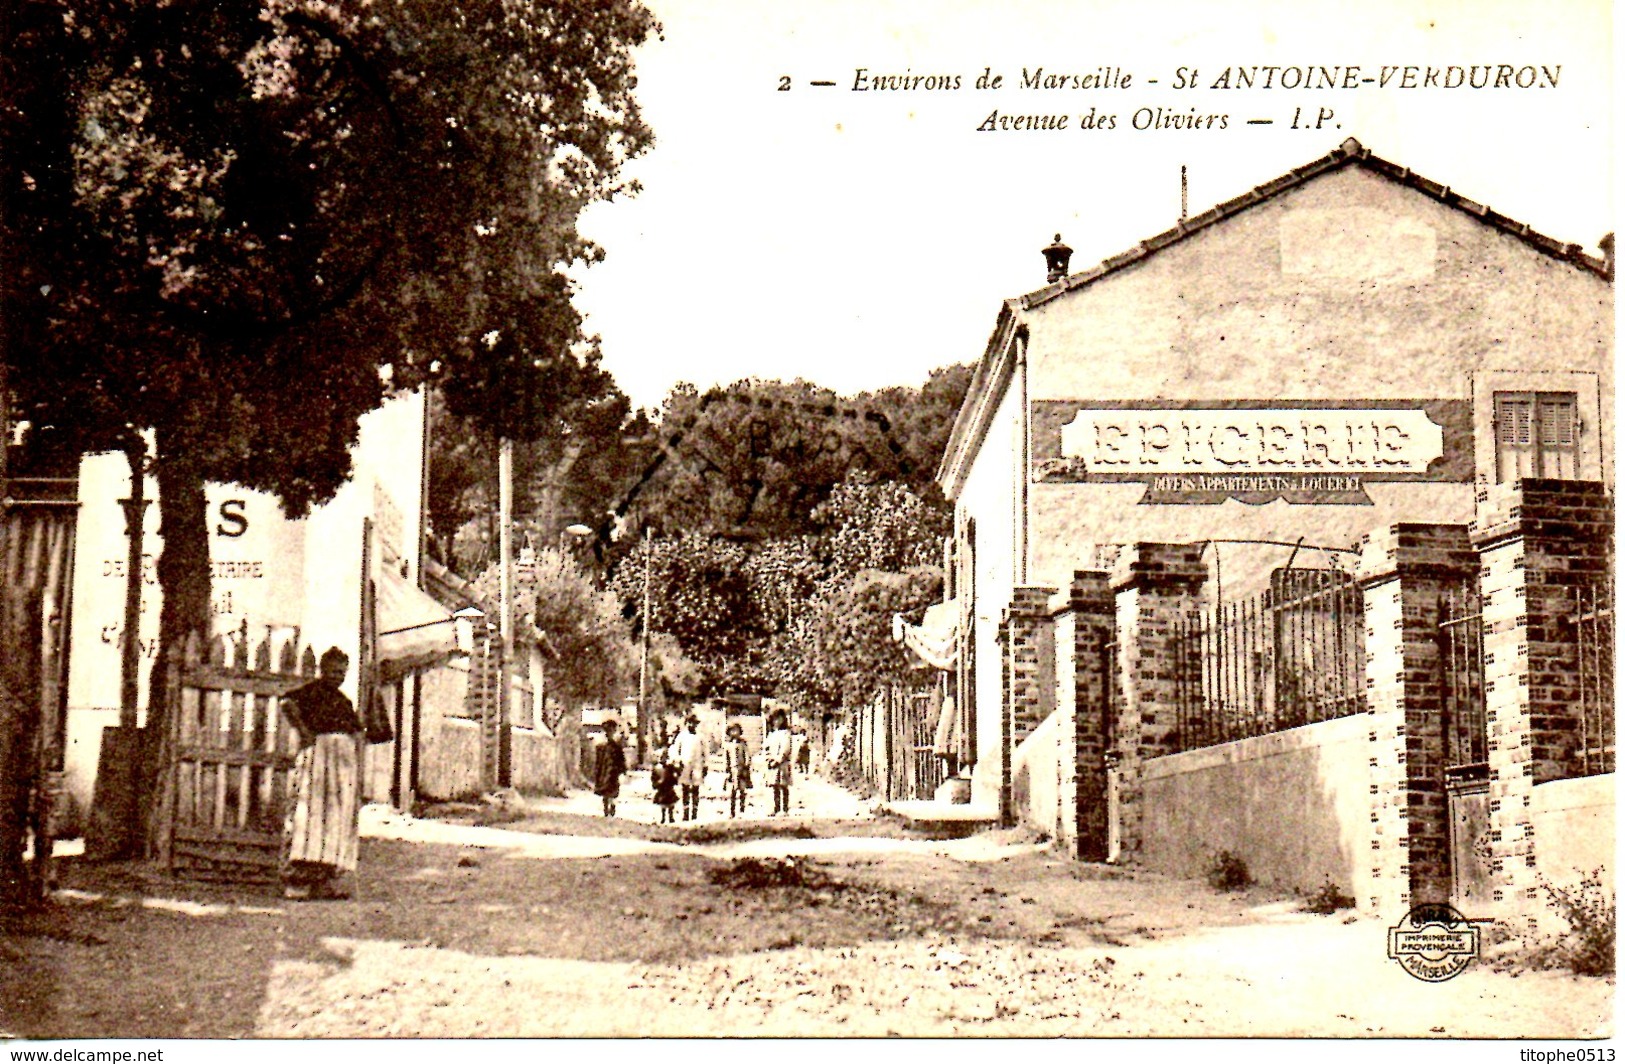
(721, 519)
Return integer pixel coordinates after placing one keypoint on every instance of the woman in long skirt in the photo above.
(322, 835)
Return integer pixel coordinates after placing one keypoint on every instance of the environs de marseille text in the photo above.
(1161, 114)
(1312, 77)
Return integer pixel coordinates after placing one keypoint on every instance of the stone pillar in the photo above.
(1155, 585)
(1405, 572)
(1024, 625)
(1093, 629)
(1538, 541)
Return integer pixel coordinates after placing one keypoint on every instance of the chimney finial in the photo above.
(1057, 258)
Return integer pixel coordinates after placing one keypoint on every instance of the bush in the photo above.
(1328, 899)
(1228, 872)
(1589, 911)
(749, 873)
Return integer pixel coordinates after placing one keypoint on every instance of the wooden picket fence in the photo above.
(230, 754)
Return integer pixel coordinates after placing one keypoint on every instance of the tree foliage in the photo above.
(293, 205)
(756, 459)
(921, 419)
(850, 633)
(588, 644)
(875, 524)
(882, 549)
(781, 615)
(239, 223)
(699, 591)
(588, 450)
(787, 492)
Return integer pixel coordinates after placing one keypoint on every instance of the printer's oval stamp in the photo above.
(1433, 942)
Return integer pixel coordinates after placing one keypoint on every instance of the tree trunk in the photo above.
(115, 831)
(183, 581)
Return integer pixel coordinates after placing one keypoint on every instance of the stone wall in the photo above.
(1294, 805)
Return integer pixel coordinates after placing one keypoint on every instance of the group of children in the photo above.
(682, 766)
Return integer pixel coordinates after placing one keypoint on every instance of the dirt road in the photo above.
(562, 925)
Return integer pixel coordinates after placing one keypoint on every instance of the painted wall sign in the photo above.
(1251, 450)
(256, 566)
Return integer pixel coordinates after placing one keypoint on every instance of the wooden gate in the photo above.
(1464, 726)
(918, 770)
(229, 757)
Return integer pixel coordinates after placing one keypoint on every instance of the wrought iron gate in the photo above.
(1291, 656)
(1594, 646)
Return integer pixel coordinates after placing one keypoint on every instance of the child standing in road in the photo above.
(688, 753)
(609, 765)
(776, 753)
(736, 764)
(663, 777)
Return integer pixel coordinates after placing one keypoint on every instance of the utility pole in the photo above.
(130, 646)
(643, 657)
(505, 619)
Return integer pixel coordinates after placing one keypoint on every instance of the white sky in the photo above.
(859, 239)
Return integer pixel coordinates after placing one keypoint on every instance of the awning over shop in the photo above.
(933, 638)
(413, 629)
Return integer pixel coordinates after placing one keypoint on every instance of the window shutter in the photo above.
(1557, 422)
(1515, 453)
(1514, 422)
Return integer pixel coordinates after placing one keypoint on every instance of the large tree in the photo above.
(698, 590)
(588, 449)
(768, 499)
(880, 547)
(237, 224)
(781, 614)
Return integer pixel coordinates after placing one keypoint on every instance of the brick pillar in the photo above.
(1155, 585)
(1025, 622)
(1063, 625)
(1405, 571)
(1538, 540)
(1093, 627)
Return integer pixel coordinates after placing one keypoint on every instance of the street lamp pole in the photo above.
(643, 656)
(505, 619)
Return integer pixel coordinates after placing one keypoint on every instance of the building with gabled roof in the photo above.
(1238, 408)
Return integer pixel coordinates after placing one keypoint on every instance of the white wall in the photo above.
(1349, 289)
(257, 554)
(1295, 805)
(1042, 778)
(988, 494)
(268, 570)
(1574, 829)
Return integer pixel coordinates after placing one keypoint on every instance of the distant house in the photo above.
(454, 744)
